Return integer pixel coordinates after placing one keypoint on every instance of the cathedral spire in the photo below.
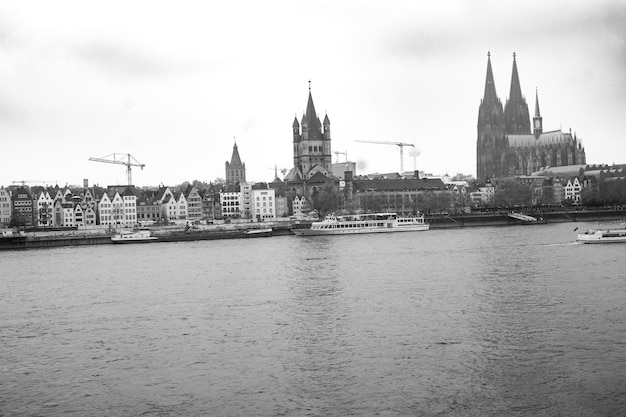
(516, 114)
(516, 89)
(490, 85)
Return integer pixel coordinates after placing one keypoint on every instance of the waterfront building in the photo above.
(104, 210)
(484, 195)
(148, 209)
(230, 201)
(572, 190)
(211, 207)
(300, 205)
(68, 213)
(45, 205)
(404, 196)
(235, 169)
(282, 206)
(264, 200)
(507, 146)
(247, 209)
(5, 206)
(89, 214)
(23, 203)
(194, 203)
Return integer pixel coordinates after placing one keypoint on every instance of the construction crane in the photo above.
(24, 182)
(122, 159)
(401, 145)
(344, 153)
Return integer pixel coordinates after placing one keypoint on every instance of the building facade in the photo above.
(506, 145)
(5, 207)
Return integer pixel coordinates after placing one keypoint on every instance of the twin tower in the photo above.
(507, 146)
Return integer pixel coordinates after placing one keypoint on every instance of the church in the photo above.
(507, 146)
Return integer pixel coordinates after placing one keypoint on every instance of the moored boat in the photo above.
(602, 236)
(266, 232)
(140, 236)
(363, 223)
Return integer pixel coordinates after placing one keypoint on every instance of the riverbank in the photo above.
(503, 219)
(37, 240)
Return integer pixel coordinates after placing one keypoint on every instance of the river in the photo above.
(486, 321)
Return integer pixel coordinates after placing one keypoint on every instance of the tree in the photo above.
(17, 219)
(511, 193)
(324, 199)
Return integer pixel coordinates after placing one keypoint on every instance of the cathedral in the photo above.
(507, 146)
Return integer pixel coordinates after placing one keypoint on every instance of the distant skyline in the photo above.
(175, 84)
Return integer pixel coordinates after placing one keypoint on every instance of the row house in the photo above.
(118, 210)
(230, 201)
(148, 210)
(247, 210)
(194, 204)
(45, 206)
(572, 190)
(5, 207)
(300, 205)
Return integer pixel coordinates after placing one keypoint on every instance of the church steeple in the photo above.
(537, 120)
(235, 169)
(516, 115)
(516, 90)
(311, 148)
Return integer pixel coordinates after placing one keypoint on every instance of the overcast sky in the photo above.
(173, 83)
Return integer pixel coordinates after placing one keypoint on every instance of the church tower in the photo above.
(537, 120)
(311, 142)
(516, 115)
(235, 170)
(491, 141)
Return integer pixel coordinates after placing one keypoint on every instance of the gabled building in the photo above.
(572, 190)
(45, 206)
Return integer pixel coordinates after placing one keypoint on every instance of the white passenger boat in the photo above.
(140, 236)
(364, 223)
(602, 236)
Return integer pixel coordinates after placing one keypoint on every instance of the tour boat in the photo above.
(363, 223)
(602, 236)
(140, 236)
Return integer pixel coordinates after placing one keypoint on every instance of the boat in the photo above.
(363, 223)
(525, 219)
(140, 236)
(266, 232)
(602, 236)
